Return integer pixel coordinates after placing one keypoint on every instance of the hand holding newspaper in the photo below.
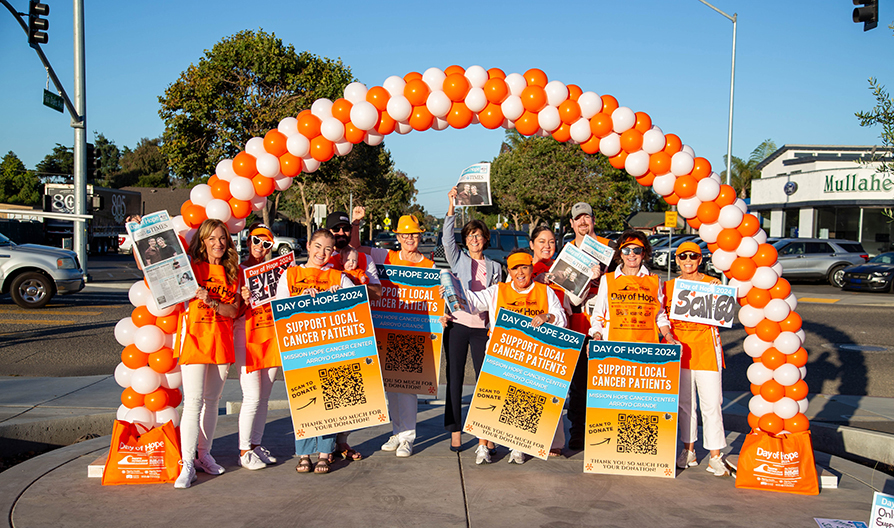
(454, 293)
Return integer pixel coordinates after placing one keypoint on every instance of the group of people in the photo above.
(219, 329)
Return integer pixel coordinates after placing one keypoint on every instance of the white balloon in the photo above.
(516, 83)
(776, 310)
(764, 278)
(549, 119)
(475, 120)
(373, 138)
(399, 108)
(787, 375)
(688, 150)
(682, 163)
(637, 164)
(332, 129)
(121, 413)
(687, 207)
(785, 408)
(138, 294)
(438, 103)
(777, 267)
(476, 75)
(190, 234)
(747, 247)
(219, 210)
(610, 145)
(356, 93)
(709, 232)
(801, 335)
(654, 140)
(281, 184)
(298, 145)
(258, 203)
(803, 372)
(364, 115)
(156, 310)
(792, 301)
(787, 342)
(342, 148)
(476, 100)
(750, 315)
(403, 128)
(716, 177)
(125, 331)
(803, 404)
(288, 126)
(759, 374)
(224, 170)
(172, 379)
(234, 225)
(142, 417)
(723, 260)
(663, 185)
(760, 237)
(434, 78)
(321, 108)
(556, 93)
(512, 107)
(707, 190)
(268, 164)
(242, 188)
(145, 380)
(740, 203)
(255, 146)
(755, 346)
(122, 375)
(623, 119)
(149, 339)
(168, 414)
(439, 123)
(743, 287)
(590, 104)
(394, 85)
(201, 194)
(730, 217)
(758, 406)
(179, 224)
(580, 130)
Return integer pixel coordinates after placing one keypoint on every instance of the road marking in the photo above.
(53, 312)
(35, 321)
(817, 300)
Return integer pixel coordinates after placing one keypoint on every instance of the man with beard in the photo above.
(340, 226)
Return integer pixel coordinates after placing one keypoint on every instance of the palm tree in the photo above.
(744, 171)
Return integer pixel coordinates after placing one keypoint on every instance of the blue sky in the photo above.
(801, 66)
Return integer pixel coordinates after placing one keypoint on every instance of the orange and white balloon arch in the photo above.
(533, 105)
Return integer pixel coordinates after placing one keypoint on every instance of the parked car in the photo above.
(502, 242)
(430, 237)
(386, 240)
(875, 275)
(281, 245)
(33, 274)
(817, 258)
(125, 244)
(660, 252)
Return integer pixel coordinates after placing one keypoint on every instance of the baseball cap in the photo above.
(689, 246)
(337, 218)
(581, 208)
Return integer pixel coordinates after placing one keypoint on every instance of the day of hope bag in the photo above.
(150, 458)
(777, 463)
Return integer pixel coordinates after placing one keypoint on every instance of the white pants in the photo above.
(402, 408)
(256, 388)
(202, 387)
(710, 398)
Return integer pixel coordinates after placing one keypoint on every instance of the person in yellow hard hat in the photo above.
(401, 407)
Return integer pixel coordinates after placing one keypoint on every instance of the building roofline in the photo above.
(784, 148)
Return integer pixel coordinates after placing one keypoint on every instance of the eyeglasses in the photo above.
(258, 241)
(689, 256)
(636, 250)
(407, 236)
(476, 236)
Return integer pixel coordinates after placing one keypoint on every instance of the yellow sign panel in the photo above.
(670, 219)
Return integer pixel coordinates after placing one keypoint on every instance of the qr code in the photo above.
(342, 386)
(522, 409)
(638, 434)
(404, 352)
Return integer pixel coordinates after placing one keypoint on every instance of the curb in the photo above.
(60, 432)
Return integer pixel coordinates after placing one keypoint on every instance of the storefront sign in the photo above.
(853, 183)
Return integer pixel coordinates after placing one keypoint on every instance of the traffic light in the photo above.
(868, 14)
(37, 26)
(91, 162)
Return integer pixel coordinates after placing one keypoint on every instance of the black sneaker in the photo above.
(576, 444)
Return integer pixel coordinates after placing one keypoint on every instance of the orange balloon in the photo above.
(672, 144)
(752, 421)
(386, 124)
(242, 208)
(632, 140)
(141, 317)
(264, 186)
(496, 73)
(590, 146)
(378, 96)
(491, 117)
(412, 76)
(712, 246)
(743, 268)
(131, 398)
(601, 125)
(221, 190)
(767, 330)
(766, 255)
(421, 119)
(647, 180)
(618, 160)
(353, 134)
(727, 239)
(168, 323)
(792, 323)
(708, 212)
(749, 330)
(162, 360)
(535, 77)
(772, 359)
(460, 116)
(781, 289)
(321, 149)
(798, 358)
(563, 133)
(758, 297)
(672, 199)
(456, 87)
(416, 91)
(569, 111)
(275, 143)
(659, 163)
(726, 197)
(755, 389)
(685, 186)
(186, 205)
(750, 225)
(756, 360)
(133, 357)
(797, 424)
(212, 180)
(156, 400)
(694, 223)
(533, 98)
(289, 165)
(771, 423)
(454, 68)
(341, 110)
(244, 165)
(195, 215)
(495, 90)
(302, 114)
(609, 104)
(527, 124)
(309, 125)
(643, 122)
(174, 397)
(701, 168)
(798, 391)
(574, 92)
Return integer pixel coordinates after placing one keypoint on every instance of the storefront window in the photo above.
(876, 231)
(791, 222)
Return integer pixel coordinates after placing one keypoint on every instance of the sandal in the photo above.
(347, 453)
(555, 452)
(322, 466)
(304, 465)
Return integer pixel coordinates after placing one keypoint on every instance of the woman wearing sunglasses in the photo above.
(257, 357)
(700, 364)
(630, 303)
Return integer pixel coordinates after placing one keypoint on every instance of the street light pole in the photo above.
(732, 84)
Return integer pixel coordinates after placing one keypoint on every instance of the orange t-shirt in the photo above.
(700, 342)
(632, 308)
(535, 302)
(357, 276)
(394, 259)
(205, 336)
(261, 349)
(300, 278)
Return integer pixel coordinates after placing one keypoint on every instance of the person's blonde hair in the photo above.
(230, 260)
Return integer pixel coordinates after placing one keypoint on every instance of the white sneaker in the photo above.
(392, 444)
(482, 455)
(686, 459)
(716, 466)
(250, 460)
(405, 449)
(516, 456)
(187, 475)
(207, 464)
(264, 455)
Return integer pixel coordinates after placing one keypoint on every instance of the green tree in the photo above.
(58, 163)
(745, 171)
(17, 184)
(144, 166)
(108, 159)
(882, 114)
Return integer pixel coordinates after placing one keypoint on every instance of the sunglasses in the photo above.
(341, 229)
(258, 241)
(636, 250)
(689, 256)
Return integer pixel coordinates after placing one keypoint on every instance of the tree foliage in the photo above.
(144, 166)
(745, 171)
(60, 162)
(18, 185)
(882, 114)
(108, 160)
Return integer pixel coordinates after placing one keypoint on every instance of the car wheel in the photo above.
(31, 290)
(836, 276)
(283, 250)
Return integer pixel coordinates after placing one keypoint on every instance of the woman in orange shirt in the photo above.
(205, 345)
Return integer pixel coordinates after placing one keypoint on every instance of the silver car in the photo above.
(818, 258)
(33, 274)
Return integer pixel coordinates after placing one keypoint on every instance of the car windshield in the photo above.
(884, 258)
(5, 241)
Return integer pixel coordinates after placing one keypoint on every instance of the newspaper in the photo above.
(263, 278)
(454, 293)
(597, 250)
(571, 270)
(164, 261)
(473, 187)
